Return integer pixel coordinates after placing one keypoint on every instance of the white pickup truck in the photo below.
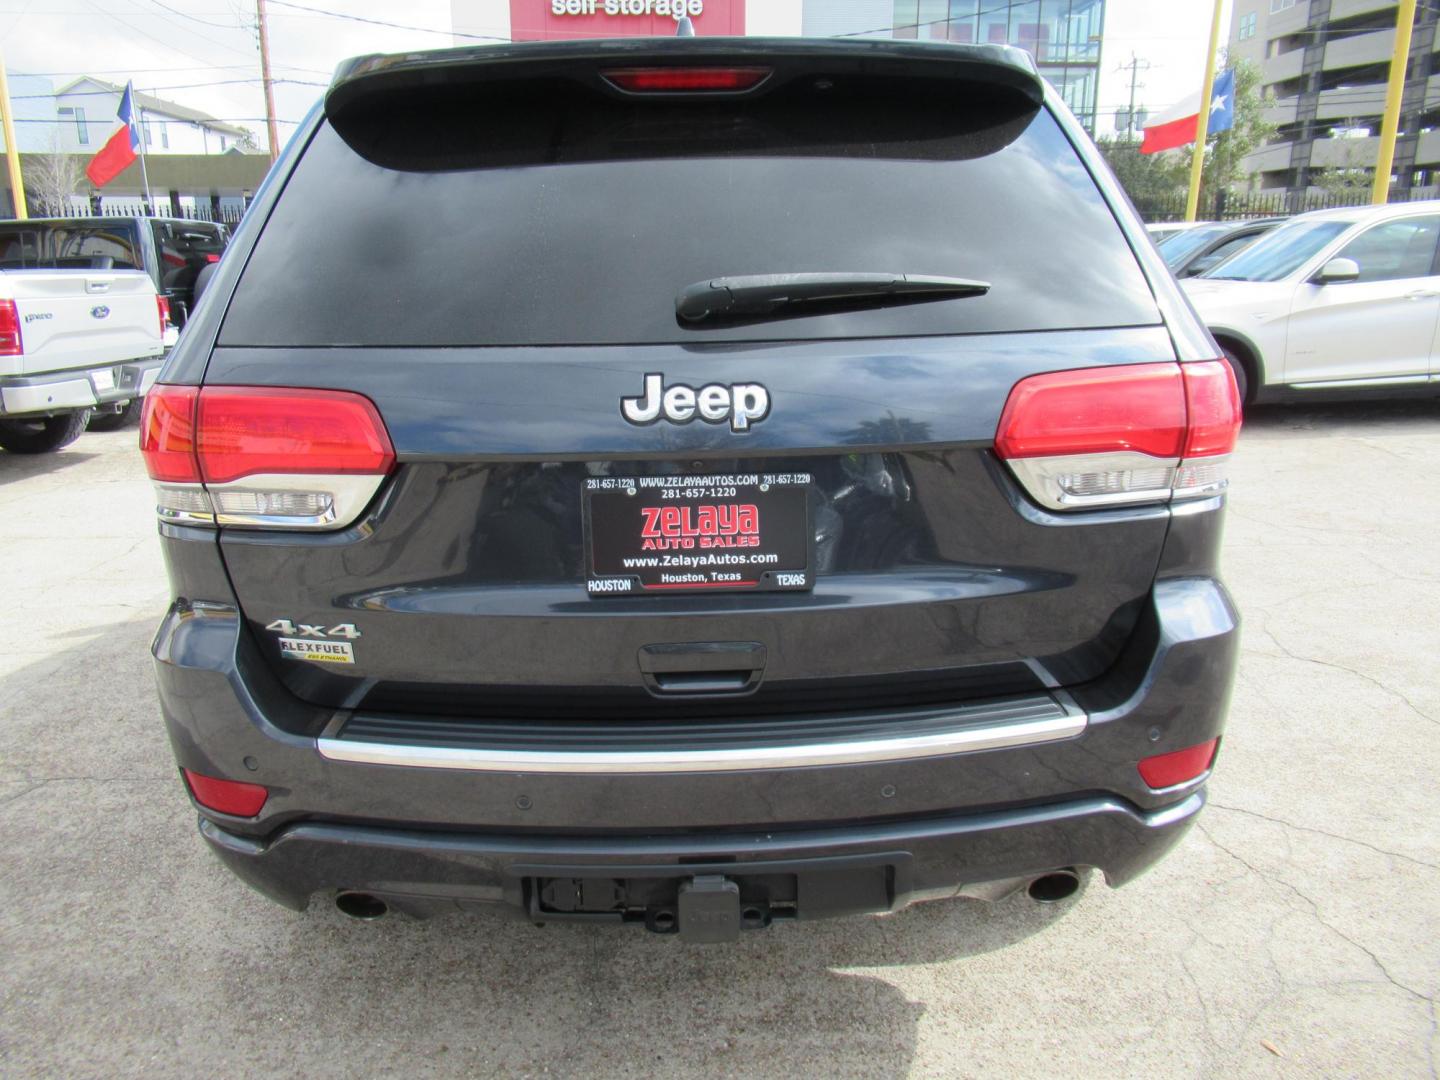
(72, 341)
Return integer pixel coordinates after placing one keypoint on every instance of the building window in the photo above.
(222, 144)
(1247, 25)
(1277, 6)
(164, 136)
(82, 129)
(145, 131)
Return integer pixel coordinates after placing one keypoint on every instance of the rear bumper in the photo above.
(425, 872)
(448, 833)
(81, 388)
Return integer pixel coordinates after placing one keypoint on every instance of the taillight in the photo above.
(11, 344)
(1178, 766)
(687, 80)
(163, 304)
(227, 796)
(264, 457)
(1118, 435)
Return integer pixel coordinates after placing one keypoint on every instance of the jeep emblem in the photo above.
(742, 404)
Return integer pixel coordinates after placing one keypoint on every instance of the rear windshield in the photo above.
(1178, 248)
(531, 223)
(82, 246)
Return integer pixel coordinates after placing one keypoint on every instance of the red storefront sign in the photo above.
(561, 20)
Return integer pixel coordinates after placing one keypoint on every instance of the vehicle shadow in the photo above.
(23, 466)
(1338, 416)
(143, 943)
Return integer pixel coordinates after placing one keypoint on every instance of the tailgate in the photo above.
(83, 318)
(489, 245)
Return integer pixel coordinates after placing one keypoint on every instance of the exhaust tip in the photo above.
(361, 905)
(1053, 887)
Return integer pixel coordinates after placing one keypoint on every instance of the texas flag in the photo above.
(1176, 126)
(117, 154)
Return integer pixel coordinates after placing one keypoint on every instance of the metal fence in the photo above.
(226, 212)
(1228, 206)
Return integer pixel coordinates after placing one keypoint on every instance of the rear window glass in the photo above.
(533, 222)
(101, 246)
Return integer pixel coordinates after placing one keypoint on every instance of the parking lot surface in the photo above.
(1295, 932)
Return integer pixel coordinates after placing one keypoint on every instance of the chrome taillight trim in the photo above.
(1042, 478)
(349, 495)
(172, 514)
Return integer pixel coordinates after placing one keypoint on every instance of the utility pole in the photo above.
(1136, 66)
(12, 149)
(265, 78)
(1394, 90)
(1202, 122)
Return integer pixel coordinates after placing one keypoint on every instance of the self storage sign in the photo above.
(566, 20)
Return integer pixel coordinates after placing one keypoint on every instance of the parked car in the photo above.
(172, 251)
(1337, 302)
(1197, 250)
(1163, 230)
(72, 341)
(693, 551)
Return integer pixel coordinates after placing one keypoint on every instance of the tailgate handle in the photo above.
(97, 285)
(702, 668)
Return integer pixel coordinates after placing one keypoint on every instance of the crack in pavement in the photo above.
(1323, 832)
(1291, 654)
(1315, 911)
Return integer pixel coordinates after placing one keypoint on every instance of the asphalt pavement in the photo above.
(1295, 932)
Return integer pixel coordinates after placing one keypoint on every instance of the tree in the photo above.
(52, 178)
(1146, 178)
(1226, 151)
(247, 141)
(1351, 180)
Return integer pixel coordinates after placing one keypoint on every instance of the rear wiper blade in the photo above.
(750, 296)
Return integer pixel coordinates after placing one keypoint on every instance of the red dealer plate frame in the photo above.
(737, 532)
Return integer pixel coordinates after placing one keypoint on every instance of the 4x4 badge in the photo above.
(742, 404)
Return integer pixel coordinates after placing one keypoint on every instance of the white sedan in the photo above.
(1341, 301)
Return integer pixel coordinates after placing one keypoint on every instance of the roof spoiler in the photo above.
(1000, 66)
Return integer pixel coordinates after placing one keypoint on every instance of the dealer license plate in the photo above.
(745, 532)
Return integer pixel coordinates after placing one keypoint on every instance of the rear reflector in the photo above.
(163, 303)
(1120, 435)
(1178, 766)
(687, 80)
(226, 796)
(10, 342)
(263, 457)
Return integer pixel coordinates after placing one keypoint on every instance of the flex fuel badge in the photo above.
(322, 652)
(306, 641)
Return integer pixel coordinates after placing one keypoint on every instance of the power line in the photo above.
(154, 90)
(383, 22)
(196, 18)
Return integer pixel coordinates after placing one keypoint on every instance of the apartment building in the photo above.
(1324, 66)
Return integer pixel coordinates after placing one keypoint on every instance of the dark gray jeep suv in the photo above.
(692, 483)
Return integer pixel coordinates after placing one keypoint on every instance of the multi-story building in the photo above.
(86, 109)
(1324, 66)
(1064, 36)
(195, 164)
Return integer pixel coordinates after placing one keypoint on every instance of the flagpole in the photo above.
(144, 172)
(1202, 121)
(12, 148)
(1394, 91)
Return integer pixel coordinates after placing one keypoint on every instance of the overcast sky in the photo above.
(204, 53)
